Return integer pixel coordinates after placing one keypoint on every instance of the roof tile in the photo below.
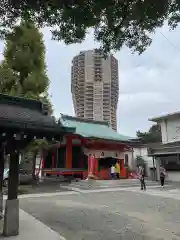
(23, 113)
(93, 129)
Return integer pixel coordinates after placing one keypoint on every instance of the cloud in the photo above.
(149, 84)
(59, 58)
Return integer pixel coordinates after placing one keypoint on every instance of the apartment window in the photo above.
(89, 95)
(97, 74)
(106, 92)
(75, 65)
(97, 68)
(81, 65)
(89, 106)
(97, 60)
(98, 65)
(81, 75)
(81, 57)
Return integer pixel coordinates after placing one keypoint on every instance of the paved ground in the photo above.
(105, 184)
(127, 214)
(31, 228)
(48, 185)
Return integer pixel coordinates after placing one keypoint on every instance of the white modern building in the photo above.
(139, 150)
(168, 153)
(95, 86)
(170, 127)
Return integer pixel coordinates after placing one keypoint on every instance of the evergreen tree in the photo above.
(153, 135)
(115, 22)
(23, 70)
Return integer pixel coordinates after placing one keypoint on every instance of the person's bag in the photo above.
(162, 174)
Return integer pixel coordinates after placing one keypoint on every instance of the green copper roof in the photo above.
(92, 129)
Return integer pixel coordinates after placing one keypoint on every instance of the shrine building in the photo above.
(95, 138)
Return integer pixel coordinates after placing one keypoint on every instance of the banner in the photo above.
(92, 171)
(104, 153)
(90, 164)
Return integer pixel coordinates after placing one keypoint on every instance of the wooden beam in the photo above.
(53, 160)
(68, 161)
(13, 182)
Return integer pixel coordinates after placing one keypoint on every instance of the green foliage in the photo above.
(24, 50)
(9, 81)
(153, 135)
(140, 161)
(115, 22)
(36, 146)
(23, 70)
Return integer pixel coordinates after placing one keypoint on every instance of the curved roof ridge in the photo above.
(72, 118)
(93, 129)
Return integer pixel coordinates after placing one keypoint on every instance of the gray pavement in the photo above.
(102, 184)
(84, 186)
(123, 214)
(30, 229)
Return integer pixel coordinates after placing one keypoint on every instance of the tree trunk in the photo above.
(39, 168)
(34, 167)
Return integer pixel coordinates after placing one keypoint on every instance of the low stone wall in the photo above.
(173, 176)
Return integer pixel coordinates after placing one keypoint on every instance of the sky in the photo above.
(149, 83)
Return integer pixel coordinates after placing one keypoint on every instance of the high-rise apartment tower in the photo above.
(95, 86)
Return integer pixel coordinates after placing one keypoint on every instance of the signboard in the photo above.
(104, 154)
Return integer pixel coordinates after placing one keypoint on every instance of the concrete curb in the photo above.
(31, 228)
(36, 195)
(74, 189)
(78, 190)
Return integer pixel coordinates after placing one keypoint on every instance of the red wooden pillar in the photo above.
(96, 170)
(53, 160)
(92, 166)
(68, 162)
(89, 164)
(122, 168)
(81, 161)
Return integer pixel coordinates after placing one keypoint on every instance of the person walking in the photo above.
(141, 173)
(112, 171)
(117, 170)
(162, 175)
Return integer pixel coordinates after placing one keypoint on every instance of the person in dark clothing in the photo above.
(162, 175)
(141, 174)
